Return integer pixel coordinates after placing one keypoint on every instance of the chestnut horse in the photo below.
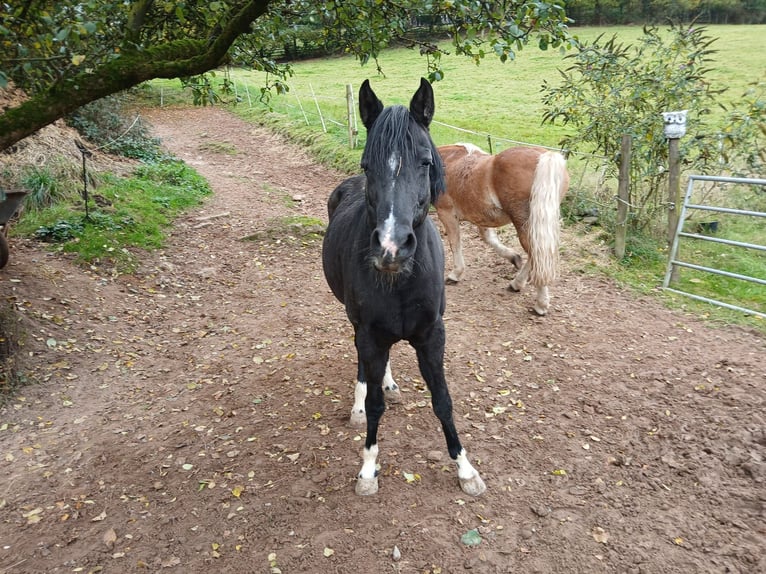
(521, 185)
(384, 260)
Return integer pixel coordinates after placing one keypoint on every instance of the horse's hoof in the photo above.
(358, 420)
(393, 395)
(512, 287)
(540, 311)
(516, 260)
(451, 281)
(367, 486)
(473, 486)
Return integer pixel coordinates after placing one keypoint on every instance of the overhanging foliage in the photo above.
(65, 55)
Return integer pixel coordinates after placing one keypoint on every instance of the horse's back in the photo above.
(345, 209)
(348, 189)
(470, 186)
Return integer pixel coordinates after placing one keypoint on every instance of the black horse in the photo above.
(383, 259)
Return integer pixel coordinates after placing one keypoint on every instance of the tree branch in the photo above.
(169, 60)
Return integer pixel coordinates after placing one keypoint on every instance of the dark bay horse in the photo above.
(521, 185)
(383, 259)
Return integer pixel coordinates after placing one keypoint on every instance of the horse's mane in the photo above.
(392, 131)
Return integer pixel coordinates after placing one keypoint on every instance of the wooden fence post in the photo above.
(674, 128)
(623, 197)
(674, 187)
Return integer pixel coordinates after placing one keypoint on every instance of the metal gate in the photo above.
(673, 260)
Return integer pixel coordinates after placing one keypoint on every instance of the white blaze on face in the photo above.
(387, 242)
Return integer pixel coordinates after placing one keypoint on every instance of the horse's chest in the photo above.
(399, 314)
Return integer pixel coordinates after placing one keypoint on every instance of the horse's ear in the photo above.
(422, 103)
(369, 105)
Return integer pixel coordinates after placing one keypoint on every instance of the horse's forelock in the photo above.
(389, 133)
(392, 132)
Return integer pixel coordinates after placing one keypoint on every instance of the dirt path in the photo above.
(193, 417)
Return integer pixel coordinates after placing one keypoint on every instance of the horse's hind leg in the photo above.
(391, 392)
(489, 235)
(390, 388)
(542, 298)
(431, 361)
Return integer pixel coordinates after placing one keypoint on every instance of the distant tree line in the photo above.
(306, 37)
(606, 12)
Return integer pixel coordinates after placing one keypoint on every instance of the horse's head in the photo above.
(404, 174)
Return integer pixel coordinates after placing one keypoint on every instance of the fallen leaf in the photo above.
(328, 552)
(600, 535)
(109, 537)
(170, 562)
(100, 517)
(411, 477)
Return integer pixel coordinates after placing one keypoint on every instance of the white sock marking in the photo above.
(369, 457)
(464, 468)
(360, 393)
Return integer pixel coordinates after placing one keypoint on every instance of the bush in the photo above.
(49, 184)
(109, 125)
(613, 89)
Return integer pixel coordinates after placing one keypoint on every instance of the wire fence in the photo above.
(593, 184)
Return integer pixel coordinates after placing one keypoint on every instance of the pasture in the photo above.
(193, 415)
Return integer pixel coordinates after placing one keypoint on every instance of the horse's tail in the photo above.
(548, 189)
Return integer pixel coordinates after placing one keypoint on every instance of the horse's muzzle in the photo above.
(390, 255)
(386, 264)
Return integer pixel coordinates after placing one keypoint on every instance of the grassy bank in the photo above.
(125, 215)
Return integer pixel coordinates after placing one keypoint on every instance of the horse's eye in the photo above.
(426, 162)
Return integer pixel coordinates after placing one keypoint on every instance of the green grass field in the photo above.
(502, 103)
(492, 98)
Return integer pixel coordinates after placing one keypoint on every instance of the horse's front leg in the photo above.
(520, 280)
(391, 392)
(451, 222)
(430, 354)
(373, 360)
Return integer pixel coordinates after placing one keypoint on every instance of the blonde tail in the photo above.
(548, 188)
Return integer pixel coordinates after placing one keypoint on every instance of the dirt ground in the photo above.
(193, 417)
